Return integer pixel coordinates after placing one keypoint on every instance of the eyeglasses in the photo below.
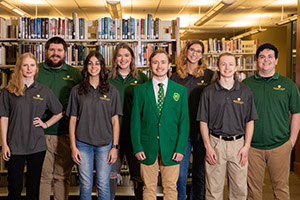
(195, 51)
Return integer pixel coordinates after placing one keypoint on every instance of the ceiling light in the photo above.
(287, 20)
(18, 11)
(252, 32)
(114, 8)
(214, 11)
(15, 9)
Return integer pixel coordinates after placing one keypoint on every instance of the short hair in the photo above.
(267, 46)
(56, 40)
(158, 51)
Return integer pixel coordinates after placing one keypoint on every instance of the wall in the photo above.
(281, 38)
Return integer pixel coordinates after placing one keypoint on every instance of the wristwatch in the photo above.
(115, 146)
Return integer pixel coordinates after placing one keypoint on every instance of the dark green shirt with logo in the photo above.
(125, 88)
(274, 99)
(60, 81)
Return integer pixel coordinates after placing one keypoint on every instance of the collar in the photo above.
(258, 77)
(165, 82)
(35, 84)
(236, 86)
(47, 67)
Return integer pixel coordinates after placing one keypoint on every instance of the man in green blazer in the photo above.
(159, 128)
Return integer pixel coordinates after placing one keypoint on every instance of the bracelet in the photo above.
(46, 124)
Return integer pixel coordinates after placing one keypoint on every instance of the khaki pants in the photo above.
(278, 161)
(169, 176)
(226, 152)
(57, 168)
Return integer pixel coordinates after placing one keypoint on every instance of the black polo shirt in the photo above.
(227, 111)
(194, 87)
(22, 137)
(94, 112)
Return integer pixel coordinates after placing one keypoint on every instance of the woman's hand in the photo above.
(76, 156)
(5, 153)
(112, 156)
(38, 122)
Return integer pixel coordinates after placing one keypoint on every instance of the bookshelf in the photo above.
(243, 50)
(24, 34)
(19, 35)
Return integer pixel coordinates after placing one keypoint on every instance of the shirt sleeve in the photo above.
(116, 107)
(72, 109)
(53, 103)
(252, 114)
(4, 103)
(294, 100)
(202, 114)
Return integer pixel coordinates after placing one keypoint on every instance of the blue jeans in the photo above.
(198, 177)
(86, 170)
(198, 172)
(183, 173)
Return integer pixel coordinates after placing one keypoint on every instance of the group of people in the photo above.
(53, 115)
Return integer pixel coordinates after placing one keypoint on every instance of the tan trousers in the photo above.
(278, 161)
(169, 176)
(56, 168)
(226, 152)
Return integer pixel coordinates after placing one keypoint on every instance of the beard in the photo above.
(51, 64)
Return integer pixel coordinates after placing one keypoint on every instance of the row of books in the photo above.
(76, 53)
(134, 29)
(233, 46)
(244, 62)
(8, 27)
(79, 28)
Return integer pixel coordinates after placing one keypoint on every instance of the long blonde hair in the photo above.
(115, 67)
(181, 61)
(16, 84)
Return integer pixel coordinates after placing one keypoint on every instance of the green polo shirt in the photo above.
(60, 81)
(125, 88)
(274, 99)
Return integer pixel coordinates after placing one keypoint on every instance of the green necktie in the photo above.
(160, 98)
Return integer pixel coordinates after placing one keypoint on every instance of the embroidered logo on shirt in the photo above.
(38, 97)
(279, 88)
(238, 100)
(134, 83)
(68, 78)
(202, 83)
(176, 96)
(104, 98)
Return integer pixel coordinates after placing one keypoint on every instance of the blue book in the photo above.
(39, 28)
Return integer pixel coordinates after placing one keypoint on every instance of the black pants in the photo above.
(15, 166)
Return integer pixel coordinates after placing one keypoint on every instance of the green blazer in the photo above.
(152, 134)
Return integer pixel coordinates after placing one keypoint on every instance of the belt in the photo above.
(227, 138)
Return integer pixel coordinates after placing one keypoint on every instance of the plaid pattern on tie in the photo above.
(160, 98)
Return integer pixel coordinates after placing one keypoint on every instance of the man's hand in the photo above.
(140, 156)
(211, 156)
(177, 157)
(243, 153)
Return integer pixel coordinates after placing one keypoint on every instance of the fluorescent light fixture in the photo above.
(14, 8)
(287, 20)
(252, 32)
(7, 5)
(114, 8)
(18, 11)
(214, 11)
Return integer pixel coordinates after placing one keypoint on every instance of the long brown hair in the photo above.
(84, 82)
(181, 61)
(115, 67)
(16, 84)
